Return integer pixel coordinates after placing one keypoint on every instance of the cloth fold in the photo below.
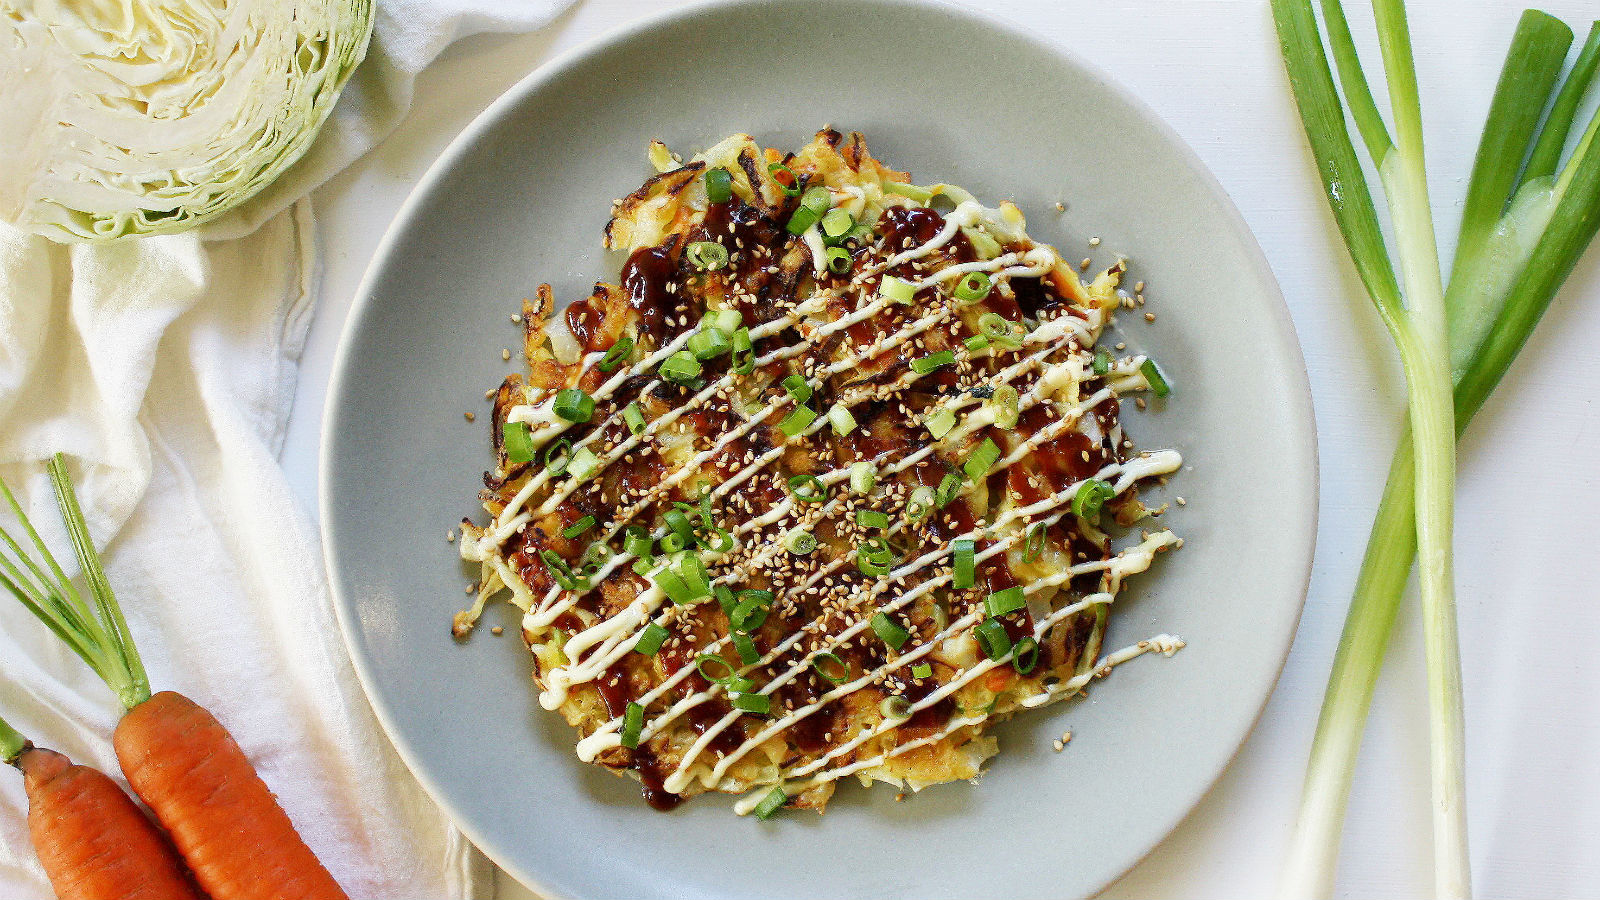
(165, 368)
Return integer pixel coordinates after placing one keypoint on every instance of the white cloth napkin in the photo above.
(165, 368)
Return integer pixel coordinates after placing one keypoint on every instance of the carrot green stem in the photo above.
(12, 743)
(98, 633)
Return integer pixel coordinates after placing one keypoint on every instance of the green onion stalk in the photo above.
(1527, 221)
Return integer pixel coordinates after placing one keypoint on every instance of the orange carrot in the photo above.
(181, 761)
(94, 842)
(234, 835)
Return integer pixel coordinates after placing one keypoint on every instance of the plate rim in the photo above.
(1299, 397)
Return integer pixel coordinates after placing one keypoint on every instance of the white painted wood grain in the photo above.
(1527, 569)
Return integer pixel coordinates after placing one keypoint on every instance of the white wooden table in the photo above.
(1526, 560)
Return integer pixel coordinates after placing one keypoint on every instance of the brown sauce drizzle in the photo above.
(810, 734)
(613, 689)
(919, 225)
(929, 720)
(1033, 296)
(586, 320)
(1056, 464)
(653, 782)
(707, 714)
(645, 277)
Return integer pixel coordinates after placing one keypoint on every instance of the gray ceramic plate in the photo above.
(521, 197)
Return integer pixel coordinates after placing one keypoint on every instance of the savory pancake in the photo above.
(821, 487)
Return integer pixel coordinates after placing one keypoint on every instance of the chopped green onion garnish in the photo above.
(807, 488)
(797, 387)
(1158, 384)
(772, 802)
(719, 185)
(823, 662)
(595, 556)
(800, 542)
(897, 290)
(922, 670)
(1091, 495)
(791, 188)
(872, 518)
(709, 343)
(840, 418)
(871, 567)
(889, 631)
(949, 487)
(707, 518)
(707, 255)
(895, 706)
(1005, 402)
(748, 615)
(673, 543)
(632, 725)
(1009, 600)
(837, 223)
(1026, 656)
(876, 549)
(910, 191)
(837, 260)
(977, 343)
(562, 573)
(650, 640)
(920, 504)
(926, 364)
(725, 320)
(681, 367)
(940, 423)
(966, 566)
(746, 648)
(802, 220)
(634, 418)
(637, 542)
(744, 354)
(714, 668)
(678, 523)
(617, 354)
(574, 405)
(1002, 331)
(992, 639)
(642, 566)
(724, 595)
(673, 585)
(972, 287)
(863, 475)
(557, 455)
(760, 704)
(692, 570)
(797, 421)
(1101, 364)
(982, 459)
(817, 199)
(578, 527)
(1036, 536)
(518, 441)
(723, 542)
(813, 204)
(583, 464)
